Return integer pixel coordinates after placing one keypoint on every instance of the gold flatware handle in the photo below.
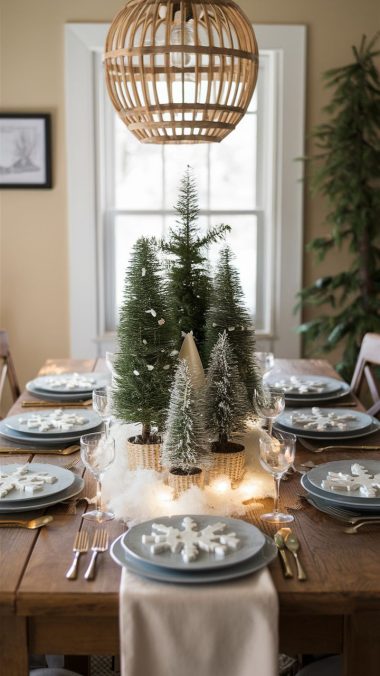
(90, 572)
(301, 575)
(354, 529)
(285, 563)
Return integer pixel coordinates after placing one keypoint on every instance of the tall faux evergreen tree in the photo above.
(227, 404)
(189, 277)
(228, 313)
(145, 361)
(346, 171)
(186, 445)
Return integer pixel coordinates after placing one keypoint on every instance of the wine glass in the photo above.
(102, 404)
(97, 452)
(270, 403)
(265, 361)
(110, 362)
(276, 456)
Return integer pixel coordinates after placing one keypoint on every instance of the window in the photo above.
(120, 189)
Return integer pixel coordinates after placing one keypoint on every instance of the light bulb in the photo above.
(179, 59)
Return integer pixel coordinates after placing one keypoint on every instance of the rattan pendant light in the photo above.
(181, 72)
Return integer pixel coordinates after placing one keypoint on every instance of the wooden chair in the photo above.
(369, 356)
(7, 368)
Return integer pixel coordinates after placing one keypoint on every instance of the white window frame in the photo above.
(86, 269)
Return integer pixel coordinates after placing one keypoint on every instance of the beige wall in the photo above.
(34, 263)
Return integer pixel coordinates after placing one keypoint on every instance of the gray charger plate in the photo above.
(265, 556)
(92, 420)
(361, 422)
(317, 474)
(338, 438)
(369, 504)
(42, 383)
(50, 396)
(27, 439)
(42, 503)
(251, 541)
(64, 479)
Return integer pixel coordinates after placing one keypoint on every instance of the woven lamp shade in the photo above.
(181, 72)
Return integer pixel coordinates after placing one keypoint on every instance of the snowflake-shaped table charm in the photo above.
(190, 540)
(25, 480)
(359, 479)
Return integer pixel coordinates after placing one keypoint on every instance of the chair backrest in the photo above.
(7, 368)
(369, 356)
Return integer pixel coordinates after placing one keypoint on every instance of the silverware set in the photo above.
(353, 520)
(82, 546)
(286, 541)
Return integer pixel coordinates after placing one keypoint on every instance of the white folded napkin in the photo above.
(224, 629)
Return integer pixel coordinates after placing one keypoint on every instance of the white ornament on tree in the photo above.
(368, 484)
(190, 541)
(25, 480)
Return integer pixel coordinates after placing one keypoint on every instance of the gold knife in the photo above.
(57, 451)
(56, 404)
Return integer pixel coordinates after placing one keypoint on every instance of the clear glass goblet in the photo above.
(276, 456)
(266, 362)
(102, 405)
(270, 403)
(97, 453)
(110, 363)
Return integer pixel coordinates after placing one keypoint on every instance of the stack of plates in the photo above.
(66, 386)
(15, 428)
(254, 551)
(359, 425)
(309, 390)
(352, 500)
(66, 486)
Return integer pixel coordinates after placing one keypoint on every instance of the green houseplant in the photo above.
(346, 170)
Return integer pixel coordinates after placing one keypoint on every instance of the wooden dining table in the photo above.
(336, 610)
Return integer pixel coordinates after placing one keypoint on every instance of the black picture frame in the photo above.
(25, 151)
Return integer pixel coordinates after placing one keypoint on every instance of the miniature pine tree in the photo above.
(189, 278)
(145, 361)
(186, 445)
(346, 172)
(228, 313)
(227, 404)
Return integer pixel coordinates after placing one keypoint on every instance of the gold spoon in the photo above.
(31, 524)
(292, 543)
(280, 544)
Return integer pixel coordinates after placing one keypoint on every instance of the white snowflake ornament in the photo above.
(359, 479)
(25, 480)
(190, 541)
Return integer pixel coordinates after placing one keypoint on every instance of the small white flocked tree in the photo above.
(227, 403)
(186, 445)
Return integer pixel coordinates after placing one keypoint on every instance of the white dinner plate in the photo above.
(41, 503)
(368, 505)
(27, 439)
(317, 475)
(64, 479)
(58, 384)
(51, 396)
(251, 540)
(358, 424)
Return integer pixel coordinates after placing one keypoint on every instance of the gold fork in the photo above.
(100, 544)
(81, 544)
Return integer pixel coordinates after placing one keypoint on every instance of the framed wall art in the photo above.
(25, 150)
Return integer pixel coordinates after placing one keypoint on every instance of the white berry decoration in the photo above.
(190, 541)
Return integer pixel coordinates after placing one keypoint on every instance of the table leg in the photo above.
(13, 646)
(362, 644)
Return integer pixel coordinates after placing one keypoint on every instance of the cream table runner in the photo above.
(224, 629)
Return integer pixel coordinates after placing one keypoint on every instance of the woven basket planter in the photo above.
(229, 464)
(182, 482)
(144, 456)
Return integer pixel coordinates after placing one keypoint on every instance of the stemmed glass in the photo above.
(265, 361)
(276, 456)
(270, 404)
(110, 362)
(97, 452)
(102, 404)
